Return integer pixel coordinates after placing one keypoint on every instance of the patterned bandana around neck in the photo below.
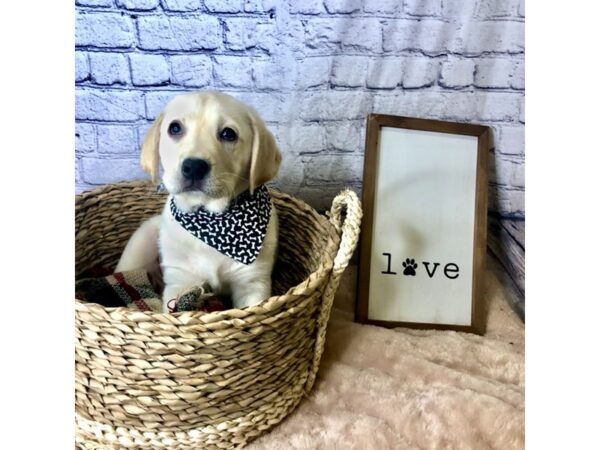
(238, 232)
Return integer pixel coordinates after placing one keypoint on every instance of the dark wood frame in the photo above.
(374, 124)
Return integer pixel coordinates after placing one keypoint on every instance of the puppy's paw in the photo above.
(250, 294)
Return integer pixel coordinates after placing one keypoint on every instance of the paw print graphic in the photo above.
(409, 267)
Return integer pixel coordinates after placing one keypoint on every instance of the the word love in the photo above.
(451, 270)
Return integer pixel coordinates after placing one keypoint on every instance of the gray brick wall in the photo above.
(314, 69)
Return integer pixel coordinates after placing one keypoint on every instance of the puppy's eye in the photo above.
(175, 128)
(228, 135)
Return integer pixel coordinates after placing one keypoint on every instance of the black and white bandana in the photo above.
(238, 232)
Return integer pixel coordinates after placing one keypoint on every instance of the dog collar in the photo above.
(238, 232)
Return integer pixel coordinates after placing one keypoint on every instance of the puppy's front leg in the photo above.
(250, 293)
(141, 251)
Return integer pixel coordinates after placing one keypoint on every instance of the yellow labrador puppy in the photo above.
(219, 226)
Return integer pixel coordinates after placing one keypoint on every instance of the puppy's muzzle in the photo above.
(194, 169)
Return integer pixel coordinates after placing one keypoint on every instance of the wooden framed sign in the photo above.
(423, 246)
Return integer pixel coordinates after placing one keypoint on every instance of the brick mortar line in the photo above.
(163, 88)
(302, 56)
(383, 91)
(310, 55)
(406, 17)
(159, 11)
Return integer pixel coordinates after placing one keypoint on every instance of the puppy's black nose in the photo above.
(194, 169)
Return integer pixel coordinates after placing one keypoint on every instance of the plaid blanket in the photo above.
(136, 290)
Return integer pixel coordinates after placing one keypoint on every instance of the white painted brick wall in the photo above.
(321, 61)
(109, 68)
(181, 5)
(191, 71)
(457, 73)
(149, 70)
(104, 29)
(314, 69)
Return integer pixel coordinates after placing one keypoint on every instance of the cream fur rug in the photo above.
(411, 389)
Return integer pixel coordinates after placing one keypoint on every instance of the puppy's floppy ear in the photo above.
(266, 158)
(149, 157)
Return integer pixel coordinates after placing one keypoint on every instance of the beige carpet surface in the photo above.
(412, 389)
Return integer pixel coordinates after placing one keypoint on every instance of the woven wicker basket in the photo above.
(203, 380)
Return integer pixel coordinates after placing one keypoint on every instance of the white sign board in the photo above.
(422, 212)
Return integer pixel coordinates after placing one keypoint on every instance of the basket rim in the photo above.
(314, 281)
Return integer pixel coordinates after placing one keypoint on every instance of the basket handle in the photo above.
(349, 228)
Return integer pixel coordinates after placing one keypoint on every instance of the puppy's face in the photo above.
(212, 147)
